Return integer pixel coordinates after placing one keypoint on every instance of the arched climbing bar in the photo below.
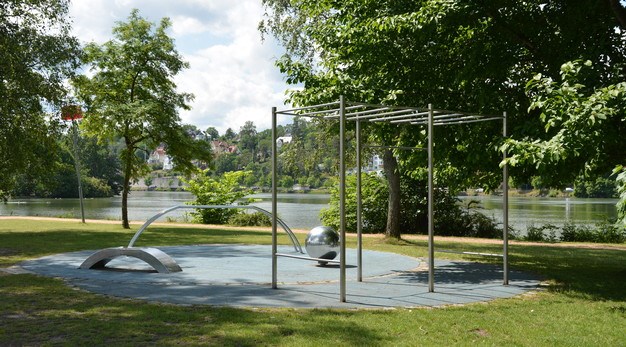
(294, 240)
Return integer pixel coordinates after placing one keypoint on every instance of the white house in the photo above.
(282, 140)
(160, 156)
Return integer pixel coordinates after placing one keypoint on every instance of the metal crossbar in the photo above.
(355, 111)
(321, 260)
(398, 147)
(470, 253)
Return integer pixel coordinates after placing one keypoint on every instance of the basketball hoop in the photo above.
(71, 112)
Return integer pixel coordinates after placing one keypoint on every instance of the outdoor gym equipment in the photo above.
(158, 259)
(322, 243)
(357, 112)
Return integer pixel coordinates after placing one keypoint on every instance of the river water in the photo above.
(526, 211)
(297, 210)
(302, 210)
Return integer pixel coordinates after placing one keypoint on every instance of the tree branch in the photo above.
(521, 38)
(619, 11)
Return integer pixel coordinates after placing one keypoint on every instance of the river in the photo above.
(527, 211)
(297, 210)
(302, 210)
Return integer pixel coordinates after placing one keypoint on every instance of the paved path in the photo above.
(240, 275)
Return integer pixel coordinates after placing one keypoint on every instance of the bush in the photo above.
(603, 233)
(96, 188)
(544, 233)
(216, 191)
(450, 218)
(573, 233)
(256, 219)
(601, 187)
(610, 233)
(374, 204)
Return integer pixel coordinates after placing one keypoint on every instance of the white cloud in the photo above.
(183, 25)
(232, 72)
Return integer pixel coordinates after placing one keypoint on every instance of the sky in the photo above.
(232, 73)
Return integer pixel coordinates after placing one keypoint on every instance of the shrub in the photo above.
(544, 233)
(573, 233)
(603, 233)
(601, 187)
(450, 218)
(216, 191)
(258, 219)
(96, 188)
(609, 233)
(374, 204)
(534, 234)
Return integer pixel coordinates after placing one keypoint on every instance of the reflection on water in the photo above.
(302, 210)
(524, 212)
(297, 210)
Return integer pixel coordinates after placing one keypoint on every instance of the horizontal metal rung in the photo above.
(307, 258)
(470, 253)
(307, 107)
(399, 147)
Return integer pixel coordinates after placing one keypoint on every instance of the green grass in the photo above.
(584, 303)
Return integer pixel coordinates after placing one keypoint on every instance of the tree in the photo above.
(248, 138)
(212, 133)
(100, 172)
(474, 56)
(37, 55)
(223, 190)
(584, 127)
(229, 135)
(226, 162)
(131, 95)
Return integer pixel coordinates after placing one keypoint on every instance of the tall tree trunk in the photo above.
(390, 165)
(126, 191)
(619, 12)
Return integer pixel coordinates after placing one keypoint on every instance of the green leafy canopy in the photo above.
(37, 54)
(131, 95)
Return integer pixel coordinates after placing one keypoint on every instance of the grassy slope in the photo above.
(584, 304)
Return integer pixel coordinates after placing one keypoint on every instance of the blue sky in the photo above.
(232, 72)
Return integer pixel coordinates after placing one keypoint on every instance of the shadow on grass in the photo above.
(588, 273)
(596, 274)
(37, 310)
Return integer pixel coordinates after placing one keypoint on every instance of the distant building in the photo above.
(283, 140)
(301, 188)
(374, 164)
(159, 156)
(220, 147)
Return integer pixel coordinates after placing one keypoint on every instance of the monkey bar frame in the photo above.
(358, 112)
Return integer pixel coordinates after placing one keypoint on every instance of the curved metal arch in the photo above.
(156, 258)
(294, 239)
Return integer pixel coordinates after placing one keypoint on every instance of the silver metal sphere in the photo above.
(322, 242)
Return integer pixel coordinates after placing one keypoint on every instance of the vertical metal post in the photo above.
(505, 210)
(359, 226)
(274, 202)
(342, 199)
(431, 214)
(77, 166)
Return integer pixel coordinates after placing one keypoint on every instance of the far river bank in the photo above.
(302, 210)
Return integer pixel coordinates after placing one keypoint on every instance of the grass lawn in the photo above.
(583, 304)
